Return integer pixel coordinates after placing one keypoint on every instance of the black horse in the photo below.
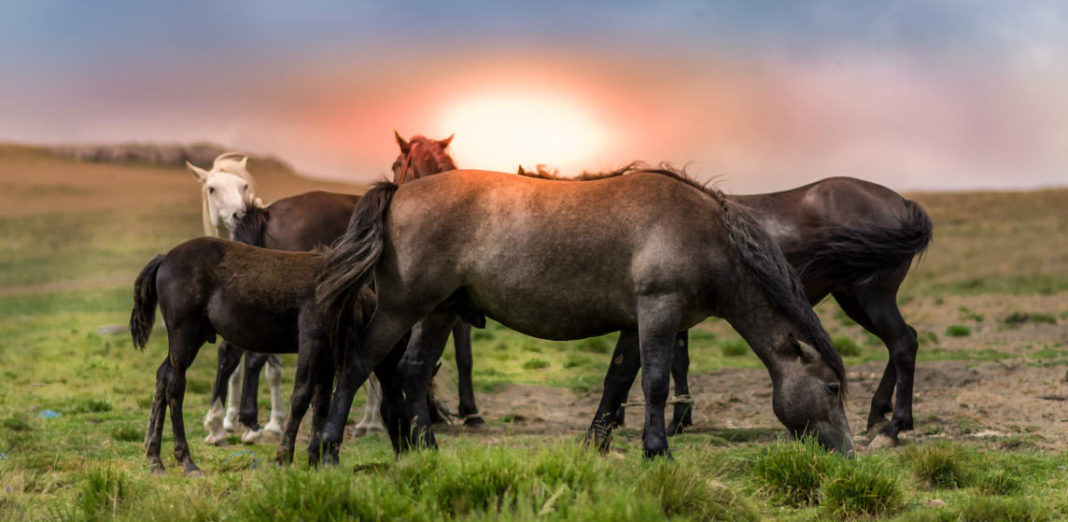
(251, 297)
(648, 253)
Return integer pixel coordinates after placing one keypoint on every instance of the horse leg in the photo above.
(658, 326)
(250, 390)
(394, 414)
(680, 365)
(371, 420)
(417, 368)
(323, 377)
(154, 434)
(304, 385)
(182, 352)
(360, 358)
(229, 360)
(461, 338)
(878, 301)
(617, 382)
(233, 396)
(274, 381)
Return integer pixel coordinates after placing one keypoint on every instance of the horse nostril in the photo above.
(236, 216)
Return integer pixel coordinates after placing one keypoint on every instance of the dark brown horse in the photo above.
(848, 238)
(251, 297)
(648, 253)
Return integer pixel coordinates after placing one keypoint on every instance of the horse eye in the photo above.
(833, 388)
(211, 190)
(244, 187)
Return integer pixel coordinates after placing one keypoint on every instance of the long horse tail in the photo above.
(855, 254)
(252, 229)
(776, 278)
(143, 316)
(349, 263)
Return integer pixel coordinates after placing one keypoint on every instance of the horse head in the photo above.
(808, 396)
(421, 156)
(227, 191)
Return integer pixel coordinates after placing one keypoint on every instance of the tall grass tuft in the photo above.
(103, 492)
(861, 488)
(939, 464)
(684, 492)
(791, 472)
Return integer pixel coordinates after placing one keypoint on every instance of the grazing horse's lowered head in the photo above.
(420, 157)
(227, 190)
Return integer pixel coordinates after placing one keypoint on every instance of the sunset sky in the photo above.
(762, 95)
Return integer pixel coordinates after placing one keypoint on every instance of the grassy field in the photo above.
(991, 296)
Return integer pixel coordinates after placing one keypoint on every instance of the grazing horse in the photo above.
(848, 238)
(228, 193)
(249, 296)
(648, 253)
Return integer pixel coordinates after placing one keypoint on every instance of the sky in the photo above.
(759, 95)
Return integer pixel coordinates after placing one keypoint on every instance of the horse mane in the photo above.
(252, 229)
(759, 253)
(633, 166)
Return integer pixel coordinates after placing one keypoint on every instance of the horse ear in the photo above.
(445, 142)
(404, 145)
(808, 353)
(521, 172)
(244, 162)
(201, 174)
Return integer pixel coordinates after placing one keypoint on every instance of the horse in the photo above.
(228, 193)
(848, 238)
(252, 297)
(648, 253)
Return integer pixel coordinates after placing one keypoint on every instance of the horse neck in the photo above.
(762, 325)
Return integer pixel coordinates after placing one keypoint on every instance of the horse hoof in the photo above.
(216, 439)
(674, 429)
(474, 421)
(273, 429)
(252, 437)
(882, 441)
(157, 470)
(194, 473)
(659, 453)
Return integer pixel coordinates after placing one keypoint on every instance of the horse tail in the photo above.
(855, 254)
(252, 229)
(143, 316)
(761, 256)
(349, 263)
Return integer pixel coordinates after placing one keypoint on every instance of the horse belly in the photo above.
(262, 331)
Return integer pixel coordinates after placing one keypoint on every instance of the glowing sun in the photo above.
(498, 131)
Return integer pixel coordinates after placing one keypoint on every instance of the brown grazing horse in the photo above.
(648, 253)
(845, 237)
(251, 297)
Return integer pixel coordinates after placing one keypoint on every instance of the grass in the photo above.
(65, 271)
(958, 330)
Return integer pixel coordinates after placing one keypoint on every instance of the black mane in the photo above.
(252, 229)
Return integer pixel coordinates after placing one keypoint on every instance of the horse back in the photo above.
(308, 220)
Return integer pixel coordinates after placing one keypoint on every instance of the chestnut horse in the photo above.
(648, 253)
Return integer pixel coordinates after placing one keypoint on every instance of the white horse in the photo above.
(227, 190)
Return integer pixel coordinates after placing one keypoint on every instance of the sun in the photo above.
(500, 130)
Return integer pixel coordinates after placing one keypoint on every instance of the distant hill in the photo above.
(168, 155)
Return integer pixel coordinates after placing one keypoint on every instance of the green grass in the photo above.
(958, 330)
